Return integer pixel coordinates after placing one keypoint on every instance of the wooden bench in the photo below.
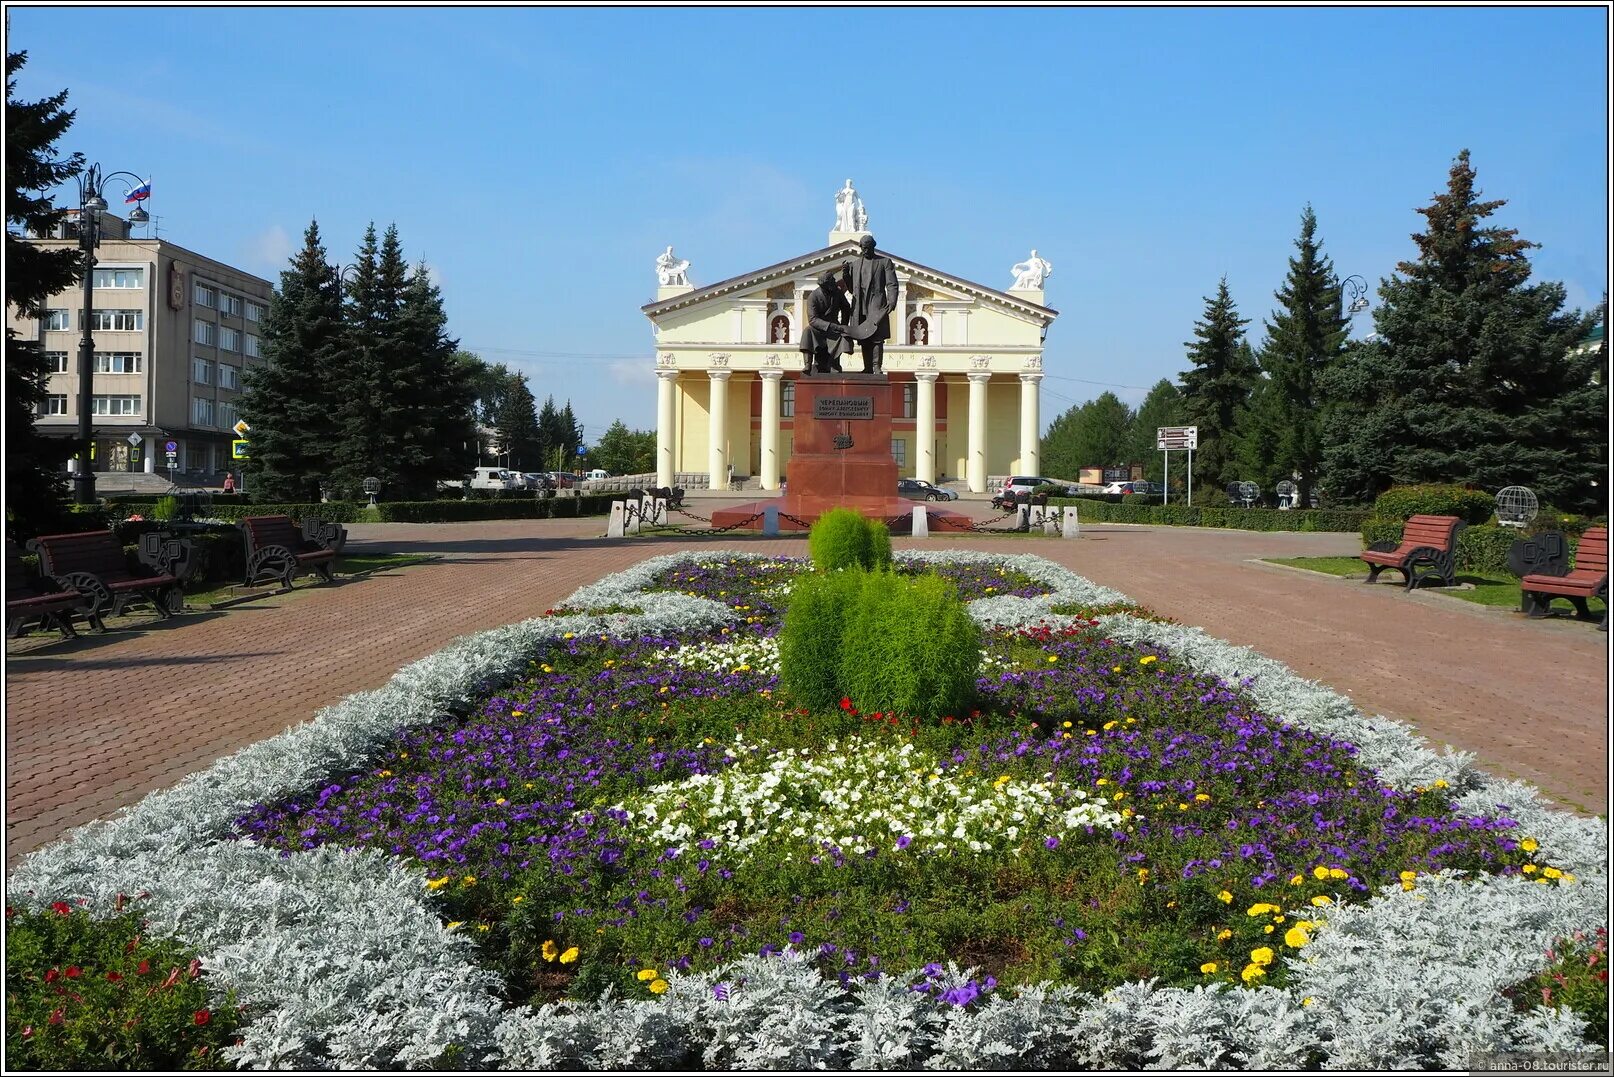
(1428, 543)
(26, 600)
(93, 563)
(277, 549)
(1588, 578)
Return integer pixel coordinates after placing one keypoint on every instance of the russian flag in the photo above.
(140, 193)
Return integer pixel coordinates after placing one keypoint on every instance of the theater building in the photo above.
(966, 358)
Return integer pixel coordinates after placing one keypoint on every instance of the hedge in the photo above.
(1252, 519)
(1480, 547)
(1402, 502)
(528, 508)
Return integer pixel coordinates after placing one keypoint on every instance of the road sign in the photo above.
(133, 439)
(238, 450)
(241, 428)
(1177, 437)
(171, 447)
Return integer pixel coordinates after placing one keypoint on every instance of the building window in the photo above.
(57, 320)
(55, 404)
(229, 339)
(114, 405)
(255, 311)
(201, 372)
(122, 321)
(201, 411)
(909, 393)
(230, 304)
(206, 333)
(779, 330)
(899, 452)
(787, 401)
(56, 362)
(117, 362)
(249, 347)
(227, 415)
(205, 296)
(120, 278)
(918, 330)
(229, 377)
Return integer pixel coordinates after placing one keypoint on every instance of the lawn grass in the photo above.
(1488, 588)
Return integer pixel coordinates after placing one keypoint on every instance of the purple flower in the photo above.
(1051, 842)
(904, 841)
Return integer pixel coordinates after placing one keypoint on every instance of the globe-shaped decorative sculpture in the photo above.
(1286, 493)
(1248, 492)
(1516, 506)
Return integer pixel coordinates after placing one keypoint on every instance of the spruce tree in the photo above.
(573, 431)
(1217, 386)
(375, 375)
(1283, 427)
(1162, 407)
(438, 433)
(294, 397)
(1475, 376)
(35, 487)
(1094, 434)
(1058, 456)
(517, 423)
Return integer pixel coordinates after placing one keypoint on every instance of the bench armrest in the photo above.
(325, 535)
(169, 555)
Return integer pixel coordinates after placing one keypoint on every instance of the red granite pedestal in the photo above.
(861, 475)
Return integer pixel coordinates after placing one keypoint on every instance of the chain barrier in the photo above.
(747, 522)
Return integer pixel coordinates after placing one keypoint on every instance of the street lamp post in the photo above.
(91, 204)
(1356, 291)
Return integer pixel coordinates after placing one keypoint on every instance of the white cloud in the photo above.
(633, 371)
(267, 252)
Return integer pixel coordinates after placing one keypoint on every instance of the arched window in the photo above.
(779, 329)
(918, 330)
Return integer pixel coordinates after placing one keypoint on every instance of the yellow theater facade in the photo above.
(964, 359)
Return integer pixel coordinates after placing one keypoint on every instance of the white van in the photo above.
(492, 478)
(597, 473)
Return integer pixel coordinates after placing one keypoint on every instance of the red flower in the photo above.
(129, 947)
(52, 976)
(173, 977)
(60, 908)
(194, 968)
(28, 1030)
(846, 703)
(202, 1017)
(56, 1016)
(10, 912)
(143, 968)
(117, 906)
(114, 977)
(74, 972)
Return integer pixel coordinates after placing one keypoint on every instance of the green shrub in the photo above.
(1378, 529)
(340, 512)
(879, 544)
(83, 994)
(1142, 509)
(164, 508)
(1403, 502)
(810, 638)
(527, 507)
(840, 538)
(1485, 548)
(909, 648)
(1577, 978)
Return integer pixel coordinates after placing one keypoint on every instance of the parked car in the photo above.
(563, 480)
(536, 480)
(492, 478)
(919, 489)
(1119, 488)
(1020, 486)
(598, 473)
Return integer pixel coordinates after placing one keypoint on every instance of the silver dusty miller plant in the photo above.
(345, 963)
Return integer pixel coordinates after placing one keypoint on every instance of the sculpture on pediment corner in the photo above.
(671, 269)
(1029, 274)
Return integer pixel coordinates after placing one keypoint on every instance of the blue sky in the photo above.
(538, 159)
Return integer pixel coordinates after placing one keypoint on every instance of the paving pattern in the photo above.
(93, 726)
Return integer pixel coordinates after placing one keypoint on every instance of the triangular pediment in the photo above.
(760, 283)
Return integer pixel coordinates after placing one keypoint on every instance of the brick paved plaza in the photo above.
(93, 726)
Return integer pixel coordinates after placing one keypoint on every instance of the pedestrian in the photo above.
(229, 482)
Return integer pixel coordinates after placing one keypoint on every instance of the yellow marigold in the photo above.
(499, 801)
(518, 714)
(1143, 875)
(647, 974)
(517, 900)
(1307, 1001)
(1529, 869)
(1440, 783)
(658, 986)
(1225, 898)
(1067, 726)
(1261, 955)
(1115, 669)
(1053, 658)
(1551, 873)
(484, 927)
(1408, 876)
(1101, 781)
(1296, 937)
(1320, 872)
(1146, 659)
(1252, 973)
(1181, 806)
(1223, 935)
(1267, 930)
(437, 884)
(453, 925)
(549, 950)
(1338, 873)
(1529, 845)
(1208, 967)
(1202, 797)
(1322, 899)
(569, 956)
(1261, 907)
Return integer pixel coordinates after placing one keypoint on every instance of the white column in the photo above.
(770, 428)
(666, 439)
(150, 461)
(801, 314)
(1030, 423)
(718, 429)
(925, 426)
(976, 464)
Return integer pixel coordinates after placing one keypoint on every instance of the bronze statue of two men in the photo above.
(851, 305)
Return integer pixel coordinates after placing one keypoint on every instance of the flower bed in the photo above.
(638, 809)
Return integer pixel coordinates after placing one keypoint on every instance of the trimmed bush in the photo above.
(1143, 509)
(1404, 502)
(810, 639)
(842, 538)
(523, 508)
(910, 647)
(1485, 548)
(341, 512)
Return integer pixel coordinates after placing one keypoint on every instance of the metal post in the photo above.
(1190, 478)
(83, 477)
(1166, 476)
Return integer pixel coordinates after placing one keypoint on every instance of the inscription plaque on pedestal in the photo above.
(843, 407)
